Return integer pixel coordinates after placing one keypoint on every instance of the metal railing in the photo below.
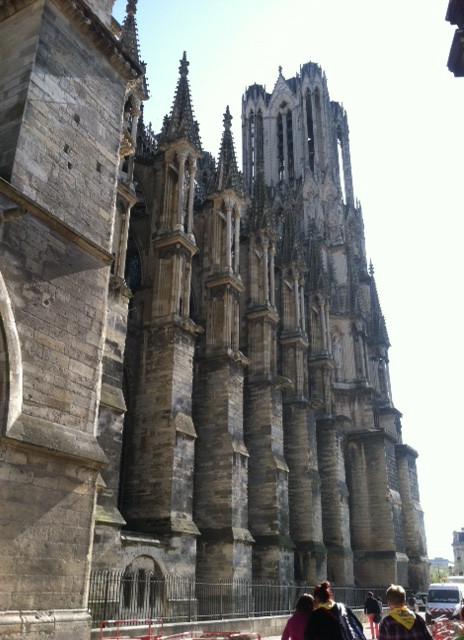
(179, 598)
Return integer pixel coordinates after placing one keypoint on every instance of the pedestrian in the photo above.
(373, 612)
(296, 624)
(412, 602)
(331, 620)
(401, 623)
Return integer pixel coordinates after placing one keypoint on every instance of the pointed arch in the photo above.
(11, 380)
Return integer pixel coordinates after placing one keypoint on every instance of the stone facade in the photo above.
(60, 131)
(271, 376)
(193, 361)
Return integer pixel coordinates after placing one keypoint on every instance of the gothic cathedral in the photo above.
(194, 367)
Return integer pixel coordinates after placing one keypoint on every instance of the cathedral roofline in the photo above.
(90, 25)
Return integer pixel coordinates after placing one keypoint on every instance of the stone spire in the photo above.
(129, 39)
(181, 123)
(378, 332)
(228, 175)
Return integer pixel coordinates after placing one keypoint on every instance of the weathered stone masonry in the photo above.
(194, 368)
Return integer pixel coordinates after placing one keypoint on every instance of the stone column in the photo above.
(265, 270)
(228, 238)
(130, 168)
(302, 305)
(325, 341)
(192, 168)
(237, 243)
(182, 157)
(271, 273)
(334, 498)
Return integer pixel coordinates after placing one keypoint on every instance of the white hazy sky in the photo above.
(386, 63)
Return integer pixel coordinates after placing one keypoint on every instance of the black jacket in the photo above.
(327, 624)
(372, 605)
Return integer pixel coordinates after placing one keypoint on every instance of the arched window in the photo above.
(251, 125)
(280, 147)
(290, 160)
(133, 267)
(310, 129)
(319, 132)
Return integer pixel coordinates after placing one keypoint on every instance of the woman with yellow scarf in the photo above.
(331, 620)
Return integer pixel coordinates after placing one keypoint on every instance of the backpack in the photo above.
(350, 627)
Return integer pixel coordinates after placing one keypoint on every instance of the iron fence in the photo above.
(178, 598)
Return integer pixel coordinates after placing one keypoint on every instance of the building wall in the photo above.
(63, 95)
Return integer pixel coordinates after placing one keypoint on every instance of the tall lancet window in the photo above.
(319, 132)
(290, 161)
(310, 129)
(252, 128)
(259, 137)
(280, 147)
(340, 162)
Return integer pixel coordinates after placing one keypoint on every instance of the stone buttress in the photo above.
(108, 519)
(268, 476)
(158, 469)
(221, 462)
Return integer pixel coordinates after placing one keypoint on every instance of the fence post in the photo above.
(190, 599)
(105, 600)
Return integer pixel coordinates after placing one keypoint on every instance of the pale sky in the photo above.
(386, 63)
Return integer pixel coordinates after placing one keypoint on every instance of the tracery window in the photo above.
(285, 156)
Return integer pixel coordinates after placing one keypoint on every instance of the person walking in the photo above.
(401, 623)
(373, 613)
(331, 620)
(296, 624)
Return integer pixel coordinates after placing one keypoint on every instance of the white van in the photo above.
(444, 599)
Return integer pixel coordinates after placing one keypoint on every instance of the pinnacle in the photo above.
(184, 64)
(227, 119)
(181, 123)
(131, 8)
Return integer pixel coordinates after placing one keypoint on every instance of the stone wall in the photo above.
(67, 150)
(63, 92)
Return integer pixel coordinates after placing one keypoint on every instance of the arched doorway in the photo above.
(143, 589)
